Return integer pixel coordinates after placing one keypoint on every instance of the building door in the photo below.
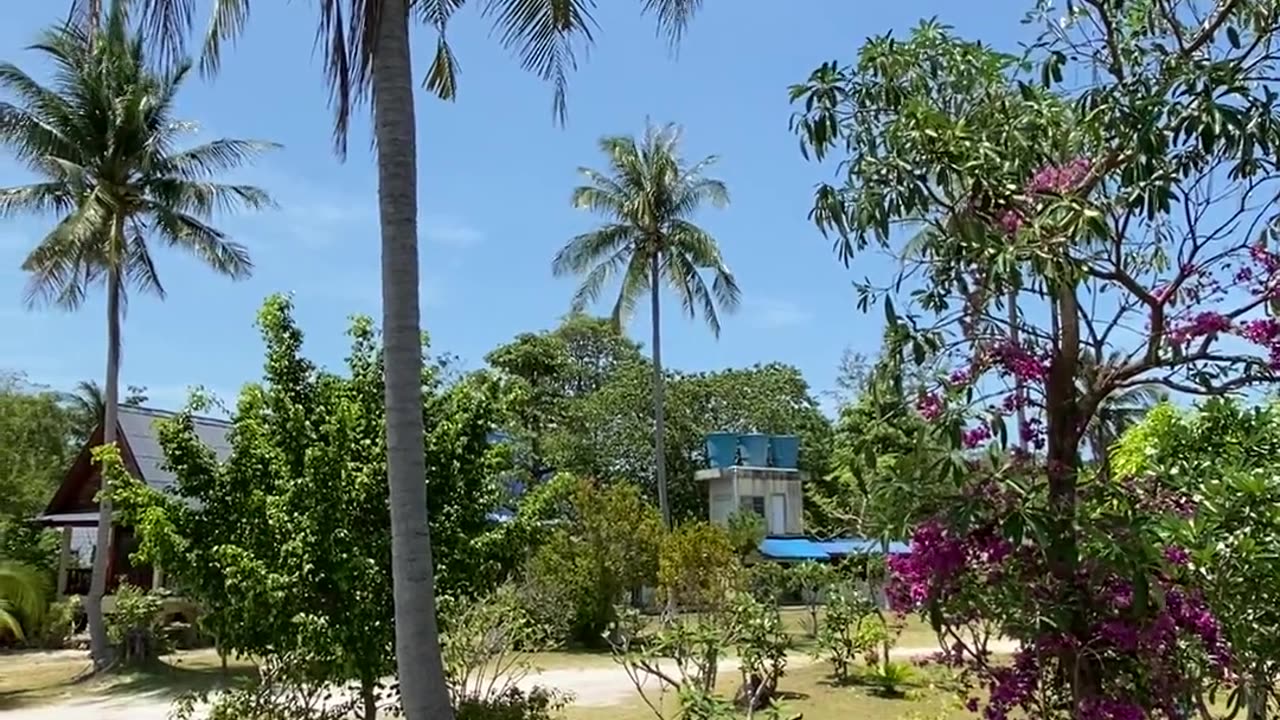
(778, 514)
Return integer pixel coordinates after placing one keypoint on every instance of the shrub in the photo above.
(513, 703)
(697, 567)
(767, 581)
(761, 642)
(284, 690)
(811, 580)
(59, 623)
(746, 530)
(682, 658)
(889, 677)
(134, 623)
(605, 545)
(851, 627)
(485, 658)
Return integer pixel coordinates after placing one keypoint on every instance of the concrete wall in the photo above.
(722, 501)
(727, 486)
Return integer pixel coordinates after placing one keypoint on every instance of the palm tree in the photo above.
(1120, 410)
(101, 135)
(367, 52)
(23, 594)
(88, 404)
(649, 196)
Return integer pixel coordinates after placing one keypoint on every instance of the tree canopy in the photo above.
(287, 543)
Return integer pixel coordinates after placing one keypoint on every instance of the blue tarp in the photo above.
(800, 548)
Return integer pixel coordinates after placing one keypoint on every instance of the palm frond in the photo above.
(36, 198)
(140, 268)
(543, 34)
(347, 34)
(205, 198)
(697, 245)
(22, 599)
(683, 277)
(442, 76)
(600, 200)
(227, 21)
(593, 284)
(587, 249)
(211, 158)
(207, 244)
(71, 257)
(673, 16)
(635, 281)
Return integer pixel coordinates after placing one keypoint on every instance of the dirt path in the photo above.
(591, 687)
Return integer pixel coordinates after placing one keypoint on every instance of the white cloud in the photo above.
(775, 313)
(449, 231)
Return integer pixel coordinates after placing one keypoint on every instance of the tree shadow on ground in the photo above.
(68, 681)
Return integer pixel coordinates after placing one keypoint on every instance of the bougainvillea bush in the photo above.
(1224, 457)
(1073, 223)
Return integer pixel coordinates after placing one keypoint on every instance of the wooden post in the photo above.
(64, 560)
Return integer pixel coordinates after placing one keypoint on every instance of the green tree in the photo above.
(116, 184)
(609, 432)
(288, 543)
(650, 196)
(37, 435)
(547, 375)
(881, 479)
(605, 545)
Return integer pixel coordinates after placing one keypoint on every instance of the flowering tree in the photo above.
(1100, 202)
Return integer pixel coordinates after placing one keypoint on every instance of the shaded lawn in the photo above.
(916, 635)
(810, 691)
(30, 678)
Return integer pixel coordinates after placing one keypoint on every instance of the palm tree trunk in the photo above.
(99, 647)
(1019, 388)
(423, 693)
(659, 394)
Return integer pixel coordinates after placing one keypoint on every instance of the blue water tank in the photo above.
(786, 451)
(755, 449)
(722, 449)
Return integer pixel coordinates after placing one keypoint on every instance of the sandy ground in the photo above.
(591, 687)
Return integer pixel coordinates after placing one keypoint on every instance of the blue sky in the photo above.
(495, 178)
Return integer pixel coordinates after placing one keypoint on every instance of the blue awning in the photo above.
(800, 548)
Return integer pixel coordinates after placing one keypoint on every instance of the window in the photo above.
(752, 503)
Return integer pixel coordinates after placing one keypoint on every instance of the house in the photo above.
(74, 509)
(754, 472)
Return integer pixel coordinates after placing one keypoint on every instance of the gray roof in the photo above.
(137, 424)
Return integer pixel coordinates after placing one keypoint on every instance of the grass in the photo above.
(34, 678)
(810, 691)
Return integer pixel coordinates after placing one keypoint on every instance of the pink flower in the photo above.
(1010, 221)
(1261, 332)
(1176, 555)
(930, 406)
(1205, 323)
(1060, 178)
(974, 437)
(1015, 360)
